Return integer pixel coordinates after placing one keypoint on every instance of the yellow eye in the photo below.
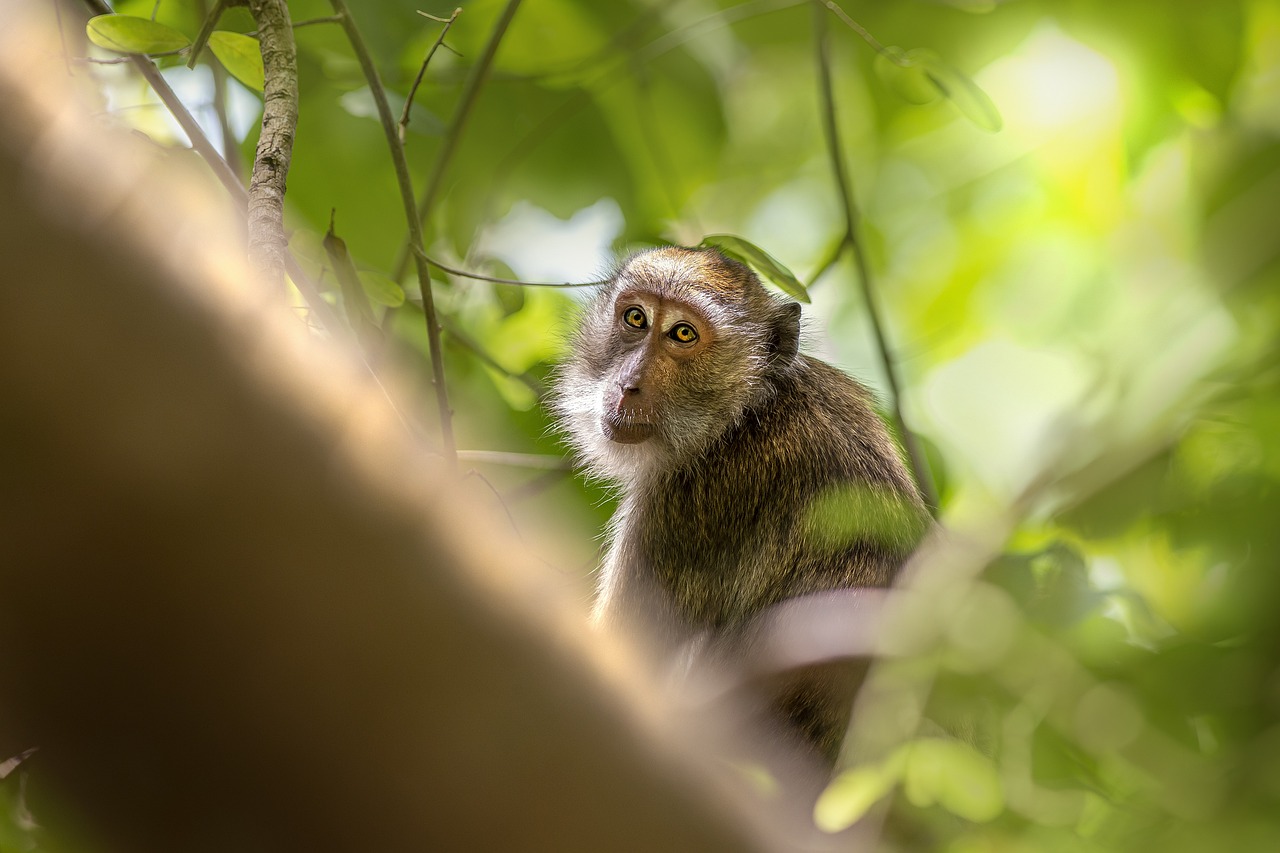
(683, 333)
(634, 317)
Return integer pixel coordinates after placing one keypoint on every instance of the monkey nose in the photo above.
(628, 389)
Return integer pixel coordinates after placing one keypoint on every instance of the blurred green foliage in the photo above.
(1083, 305)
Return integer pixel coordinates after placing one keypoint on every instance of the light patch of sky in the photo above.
(539, 246)
(194, 87)
(1052, 82)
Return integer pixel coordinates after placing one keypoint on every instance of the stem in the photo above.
(199, 141)
(915, 456)
(417, 81)
(470, 91)
(405, 183)
(517, 460)
(862, 32)
(267, 242)
(831, 260)
(206, 30)
(513, 281)
(539, 390)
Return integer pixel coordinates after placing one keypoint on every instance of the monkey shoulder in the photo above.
(733, 531)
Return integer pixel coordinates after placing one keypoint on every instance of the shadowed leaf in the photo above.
(127, 34)
(760, 261)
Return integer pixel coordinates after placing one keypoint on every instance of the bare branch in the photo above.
(915, 455)
(267, 242)
(470, 92)
(512, 281)
(405, 184)
(206, 30)
(417, 81)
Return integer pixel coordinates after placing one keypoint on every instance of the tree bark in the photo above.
(267, 240)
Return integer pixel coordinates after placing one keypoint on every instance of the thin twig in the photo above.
(513, 281)
(537, 485)
(417, 81)
(517, 460)
(610, 73)
(199, 141)
(232, 184)
(206, 30)
(863, 33)
(120, 60)
(326, 19)
(539, 390)
(405, 184)
(830, 261)
(297, 25)
(470, 92)
(230, 146)
(919, 465)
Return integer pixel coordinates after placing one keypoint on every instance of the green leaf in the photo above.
(920, 76)
(241, 56)
(955, 776)
(381, 289)
(902, 72)
(354, 301)
(760, 261)
(127, 34)
(850, 796)
(968, 97)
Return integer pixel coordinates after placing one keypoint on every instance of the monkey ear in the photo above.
(786, 335)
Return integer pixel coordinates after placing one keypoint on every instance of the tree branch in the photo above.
(206, 30)
(470, 91)
(405, 183)
(915, 455)
(417, 81)
(267, 242)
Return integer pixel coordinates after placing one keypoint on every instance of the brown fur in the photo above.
(716, 520)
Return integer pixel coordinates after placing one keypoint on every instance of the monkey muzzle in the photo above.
(627, 423)
(624, 428)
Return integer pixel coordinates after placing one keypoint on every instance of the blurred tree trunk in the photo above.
(239, 609)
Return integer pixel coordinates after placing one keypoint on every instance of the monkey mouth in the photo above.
(625, 429)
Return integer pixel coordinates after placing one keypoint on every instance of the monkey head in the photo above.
(677, 346)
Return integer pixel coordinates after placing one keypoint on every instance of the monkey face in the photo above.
(656, 339)
(668, 357)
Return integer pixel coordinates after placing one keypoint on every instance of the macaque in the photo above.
(686, 389)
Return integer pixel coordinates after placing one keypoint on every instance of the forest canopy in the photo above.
(1043, 232)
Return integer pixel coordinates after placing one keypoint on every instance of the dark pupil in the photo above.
(635, 317)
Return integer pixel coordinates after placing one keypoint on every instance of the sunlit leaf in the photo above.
(956, 777)
(760, 261)
(241, 56)
(381, 289)
(850, 796)
(127, 34)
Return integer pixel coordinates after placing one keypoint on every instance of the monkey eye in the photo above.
(634, 317)
(683, 333)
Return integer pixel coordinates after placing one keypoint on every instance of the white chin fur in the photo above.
(608, 459)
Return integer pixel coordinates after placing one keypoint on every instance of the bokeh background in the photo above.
(1078, 283)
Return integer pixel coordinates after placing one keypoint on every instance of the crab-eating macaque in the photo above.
(748, 473)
